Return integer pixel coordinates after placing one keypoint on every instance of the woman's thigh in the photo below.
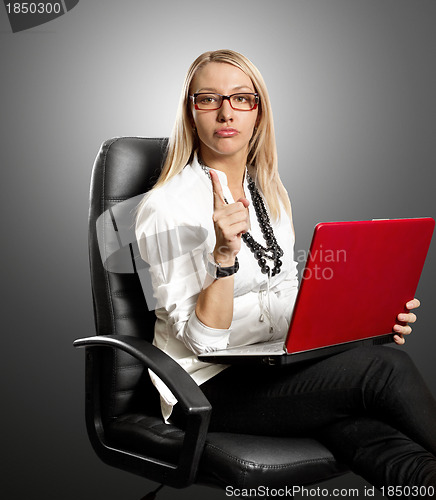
(307, 396)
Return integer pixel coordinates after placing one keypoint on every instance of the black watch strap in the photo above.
(222, 272)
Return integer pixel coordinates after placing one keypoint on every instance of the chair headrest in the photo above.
(126, 167)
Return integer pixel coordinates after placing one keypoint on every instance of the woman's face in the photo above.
(224, 131)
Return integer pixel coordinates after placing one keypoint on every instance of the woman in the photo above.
(217, 232)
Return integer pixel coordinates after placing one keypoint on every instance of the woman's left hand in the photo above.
(401, 330)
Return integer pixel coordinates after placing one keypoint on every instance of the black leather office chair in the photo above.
(122, 407)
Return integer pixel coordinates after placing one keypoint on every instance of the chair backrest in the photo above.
(125, 168)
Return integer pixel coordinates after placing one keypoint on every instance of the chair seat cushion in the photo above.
(146, 435)
(245, 461)
(239, 461)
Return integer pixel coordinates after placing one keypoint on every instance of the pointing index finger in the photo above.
(218, 196)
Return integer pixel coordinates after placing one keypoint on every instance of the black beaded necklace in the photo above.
(272, 251)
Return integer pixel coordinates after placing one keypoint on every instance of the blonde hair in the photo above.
(262, 152)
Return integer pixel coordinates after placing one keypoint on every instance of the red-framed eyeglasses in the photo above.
(242, 101)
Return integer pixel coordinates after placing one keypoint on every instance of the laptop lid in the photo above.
(358, 277)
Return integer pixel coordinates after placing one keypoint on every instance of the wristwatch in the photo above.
(216, 271)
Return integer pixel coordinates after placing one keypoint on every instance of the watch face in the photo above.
(211, 266)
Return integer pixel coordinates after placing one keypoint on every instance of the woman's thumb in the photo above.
(244, 201)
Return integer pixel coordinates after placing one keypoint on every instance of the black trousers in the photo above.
(369, 406)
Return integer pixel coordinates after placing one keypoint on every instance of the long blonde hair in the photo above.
(262, 151)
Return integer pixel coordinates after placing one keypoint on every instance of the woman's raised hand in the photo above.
(230, 222)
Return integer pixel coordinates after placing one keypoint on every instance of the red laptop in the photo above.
(353, 268)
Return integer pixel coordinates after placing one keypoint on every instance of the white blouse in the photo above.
(175, 231)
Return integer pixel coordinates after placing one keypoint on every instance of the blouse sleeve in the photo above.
(175, 252)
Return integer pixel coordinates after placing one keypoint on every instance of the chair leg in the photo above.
(152, 495)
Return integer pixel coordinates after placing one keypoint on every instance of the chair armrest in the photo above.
(180, 383)
(190, 398)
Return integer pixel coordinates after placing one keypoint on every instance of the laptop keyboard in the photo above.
(275, 347)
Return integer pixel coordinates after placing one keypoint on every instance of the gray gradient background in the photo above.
(356, 140)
